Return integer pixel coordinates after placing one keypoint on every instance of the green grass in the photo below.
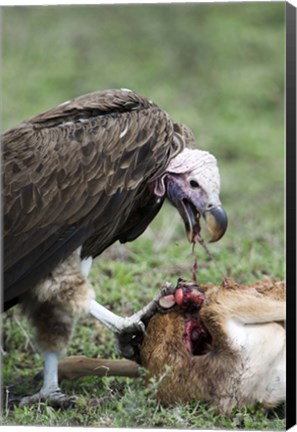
(220, 69)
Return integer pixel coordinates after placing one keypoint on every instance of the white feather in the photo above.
(85, 266)
(124, 132)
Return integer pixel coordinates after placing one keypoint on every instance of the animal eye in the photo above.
(194, 184)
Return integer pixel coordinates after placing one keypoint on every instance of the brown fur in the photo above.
(219, 376)
(227, 375)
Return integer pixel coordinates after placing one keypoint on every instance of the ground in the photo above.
(220, 69)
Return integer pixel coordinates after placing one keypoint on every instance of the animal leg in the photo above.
(74, 367)
(255, 310)
(247, 305)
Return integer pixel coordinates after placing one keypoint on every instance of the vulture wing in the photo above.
(78, 175)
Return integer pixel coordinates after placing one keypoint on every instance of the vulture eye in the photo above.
(194, 184)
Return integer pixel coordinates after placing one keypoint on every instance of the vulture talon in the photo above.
(129, 341)
(129, 350)
(131, 325)
(56, 399)
(132, 331)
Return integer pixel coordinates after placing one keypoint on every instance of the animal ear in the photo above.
(180, 280)
(229, 283)
(167, 301)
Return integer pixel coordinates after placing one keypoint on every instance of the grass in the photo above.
(220, 69)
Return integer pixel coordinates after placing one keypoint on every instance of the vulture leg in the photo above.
(129, 330)
(50, 391)
(115, 323)
(53, 306)
(129, 325)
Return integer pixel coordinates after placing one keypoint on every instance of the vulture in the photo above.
(77, 178)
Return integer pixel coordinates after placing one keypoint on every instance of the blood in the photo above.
(195, 268)
(195, 265)
(196, 335)
(189, 328)
(199, 239)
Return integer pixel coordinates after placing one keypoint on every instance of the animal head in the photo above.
(191, 182)
(188, 297)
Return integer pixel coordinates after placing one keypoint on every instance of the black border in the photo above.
(291, 212)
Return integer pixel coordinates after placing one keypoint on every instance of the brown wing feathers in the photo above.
(73, 174)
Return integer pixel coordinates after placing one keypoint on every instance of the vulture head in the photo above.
(191, 182)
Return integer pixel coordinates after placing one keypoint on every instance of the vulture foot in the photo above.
(56, 399)
(129, 337)
(130, 334)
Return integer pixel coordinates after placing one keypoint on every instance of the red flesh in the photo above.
(194, 269)
(196, 335)
(199, 239)
(179, 296)
(190, 298)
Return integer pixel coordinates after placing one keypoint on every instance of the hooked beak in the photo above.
(215, 218)
(216, 222)
(192, 203)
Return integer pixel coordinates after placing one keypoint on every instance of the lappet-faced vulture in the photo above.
(76, 179)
